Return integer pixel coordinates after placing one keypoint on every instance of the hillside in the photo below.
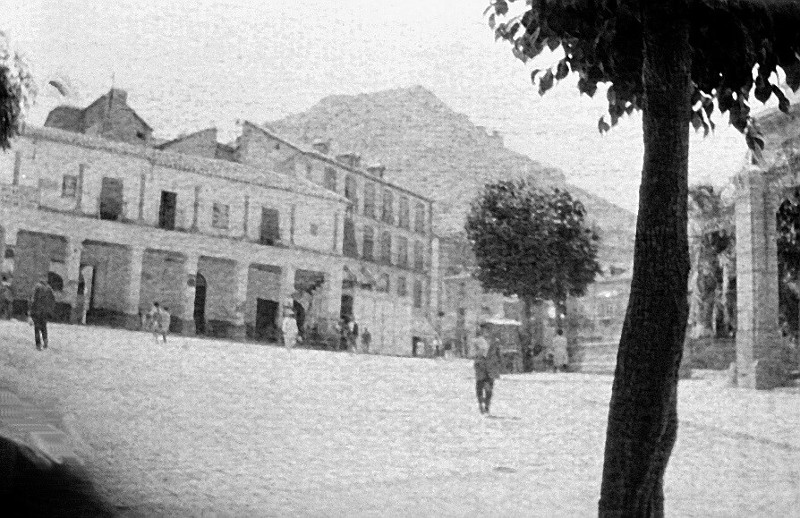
(431, 149)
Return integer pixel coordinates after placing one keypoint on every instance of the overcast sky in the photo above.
(190, 65)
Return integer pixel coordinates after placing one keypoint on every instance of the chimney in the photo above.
(376, 170)
(321, 146)
(351, 159)
(119, 95)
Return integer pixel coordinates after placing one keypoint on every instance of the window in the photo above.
(55, 281)
(330, 179)
(349, 245)
(402, 252)
(386, 248)
(166, 212)
(351, 189)
(388, 201)
(419, 218)
(403, 216)
(383, 283)
(369, 200)
(270, 232)
(313, 229)
(417, 294)
(69, 186)
(309, 171)
(402, 287)
(369, 243)
(419, 256)
(219, 215)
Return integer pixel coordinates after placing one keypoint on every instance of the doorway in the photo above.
(166, 212)
(266, 320)
(111, 199)
(347, 306)
(200, 305)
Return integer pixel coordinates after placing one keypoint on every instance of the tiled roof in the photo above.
(196, 164)
(68, 118)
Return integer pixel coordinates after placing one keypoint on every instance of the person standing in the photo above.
(289, 330)
(352, 335)
(6, 299)
(165, 321)
(41, 310)
(488, 362)
(366, 340)
(559, 354)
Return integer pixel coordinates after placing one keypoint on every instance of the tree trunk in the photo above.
(642, 420)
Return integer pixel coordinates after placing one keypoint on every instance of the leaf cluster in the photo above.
(17, 89)
(531, 243)
(602, 42)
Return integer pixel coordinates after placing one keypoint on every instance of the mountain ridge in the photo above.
(433, 150)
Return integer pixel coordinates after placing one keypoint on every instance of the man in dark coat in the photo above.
(40, 310)
(488, 364)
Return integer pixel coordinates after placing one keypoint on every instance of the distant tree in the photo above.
(789, 262)
(708, 239)
(677, 61)
(531, 243)
(17, 89)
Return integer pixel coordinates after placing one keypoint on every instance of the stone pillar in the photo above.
(73, 273)
(287, 288)
(238, 331)
(758, 339)
(189, 291)
(333, 293)
(132, 319)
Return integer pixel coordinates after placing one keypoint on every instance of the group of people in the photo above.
(351, 338)
(157, 321)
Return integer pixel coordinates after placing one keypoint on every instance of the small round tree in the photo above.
(531, 243)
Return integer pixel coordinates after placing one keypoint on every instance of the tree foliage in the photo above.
(602, 42)
(531, 243)
(17, 89)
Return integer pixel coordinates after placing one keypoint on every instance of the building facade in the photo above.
(225, 236)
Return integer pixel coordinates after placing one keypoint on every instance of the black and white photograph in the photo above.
(400, 258)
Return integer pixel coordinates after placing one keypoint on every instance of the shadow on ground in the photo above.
(31, 486)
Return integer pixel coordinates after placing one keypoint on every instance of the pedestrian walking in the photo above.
(488, 362)
(366, 340)
(289, 330)
(40, 311)
(159, 319)
(559, 354)
(352, 335)
(6, 299)
(437, 346)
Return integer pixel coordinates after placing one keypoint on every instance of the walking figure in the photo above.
(289, 330)
(352, 335)
(6, 299)
(40, 311)
(366, 339)
(488, 362)
(559, 353)
(160, 320)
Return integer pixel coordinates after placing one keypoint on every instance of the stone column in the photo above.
(189, 291)
(333, 293)
(132, 320)
(758, 339)
(287, 288)
(238, 331)
(73, 273)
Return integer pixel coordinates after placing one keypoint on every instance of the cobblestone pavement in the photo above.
(204, 428)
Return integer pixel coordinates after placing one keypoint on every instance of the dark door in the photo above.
(166, 213)
(300, 317)
(266, 317)
(111, 199)
(200, 305)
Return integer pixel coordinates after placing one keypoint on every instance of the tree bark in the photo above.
(642, 420)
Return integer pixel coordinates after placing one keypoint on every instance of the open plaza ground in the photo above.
(197, 427)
